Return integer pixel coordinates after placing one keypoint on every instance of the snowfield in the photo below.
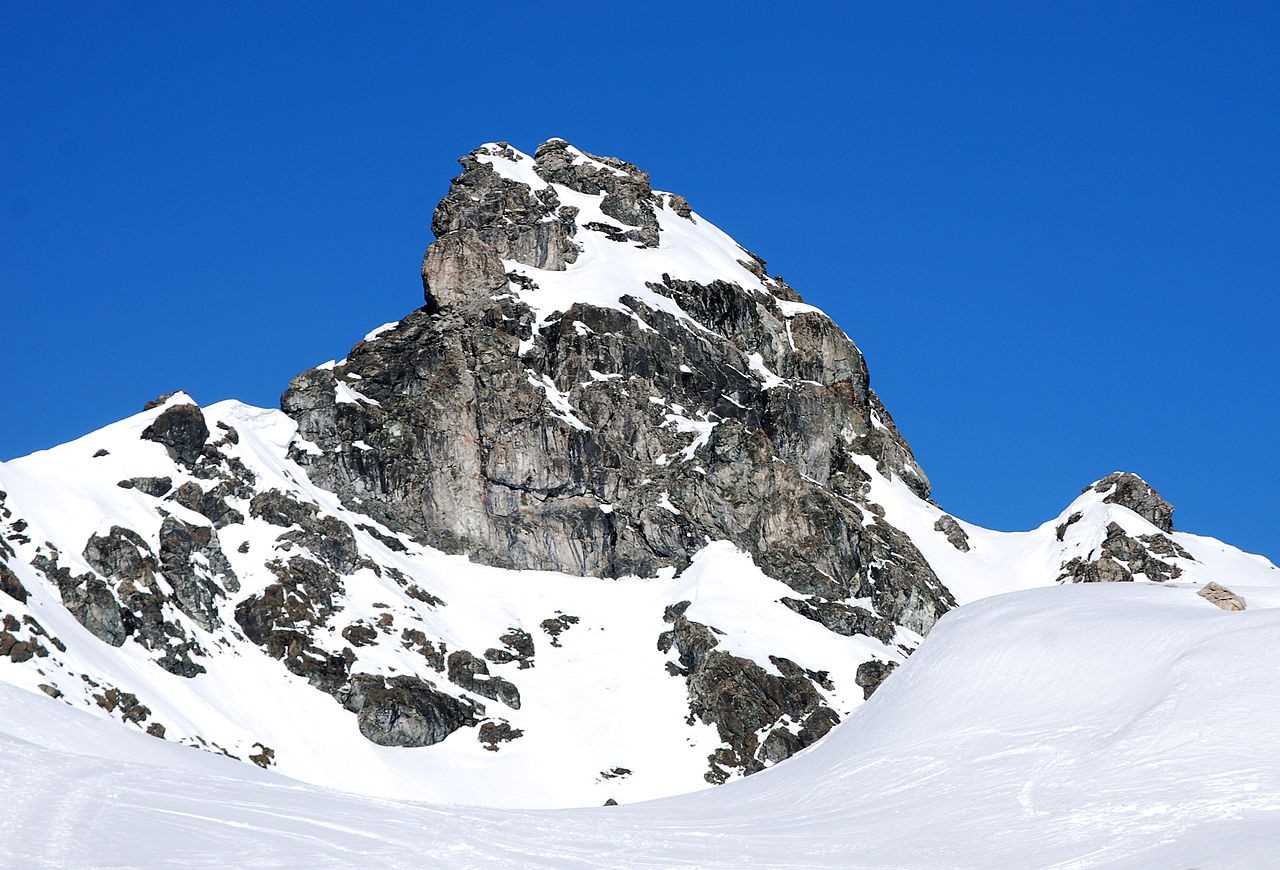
(1116, 725)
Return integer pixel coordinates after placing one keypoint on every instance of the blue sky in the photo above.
(1055, 232)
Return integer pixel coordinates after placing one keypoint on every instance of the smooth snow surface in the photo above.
(1115, 725)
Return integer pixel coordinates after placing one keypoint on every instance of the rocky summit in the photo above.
(613, 514)
(612, 432)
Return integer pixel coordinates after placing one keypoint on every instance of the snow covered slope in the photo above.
(569, 752)
(1108, 725)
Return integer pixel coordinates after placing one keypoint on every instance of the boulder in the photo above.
(871, 674)
(954, 532)
(405, 711)
(10, 585)
(182, 430)
(1221, 597)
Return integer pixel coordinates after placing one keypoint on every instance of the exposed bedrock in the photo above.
(612, 441)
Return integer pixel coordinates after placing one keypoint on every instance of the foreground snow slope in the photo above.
(1118, 725)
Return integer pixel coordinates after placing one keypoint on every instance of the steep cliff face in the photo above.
(601, 382)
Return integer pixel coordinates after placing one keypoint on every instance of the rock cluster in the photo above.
(745, 701)
(472, 674)
(1122, 557)
(1129, 490)
(21, 640)
(123, 557)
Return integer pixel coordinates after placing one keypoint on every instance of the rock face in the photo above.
(617, 435)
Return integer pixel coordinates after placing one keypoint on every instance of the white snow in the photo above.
(520, 169)
(768, 380)
(374, 334)
(343, 393)
(793, 309)
(1077, 727)
(664, 502)
(700, 429)
(559, 401)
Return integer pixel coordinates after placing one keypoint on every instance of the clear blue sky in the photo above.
(1054, 231)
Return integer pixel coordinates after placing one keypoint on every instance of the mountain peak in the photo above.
(611, 442)
(1129, 490)
(514, 218)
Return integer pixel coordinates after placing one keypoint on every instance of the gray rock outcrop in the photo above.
(194, 564)
(460, 437)
(10, 585)
(182, 430)
(405, 711)
(954, 532)
(1122, 557)
(743, 700)
(87, 597)
(1128, 490)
